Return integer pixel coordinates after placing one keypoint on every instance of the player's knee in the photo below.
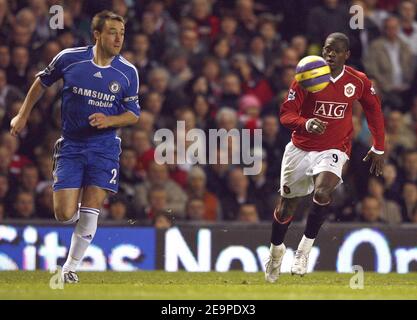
(284, 211)
(322, 196)
(63, 214)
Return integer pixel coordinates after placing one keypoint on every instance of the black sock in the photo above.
(315, 220)
(279, 230)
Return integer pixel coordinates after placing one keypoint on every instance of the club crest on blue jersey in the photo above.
(114, 87)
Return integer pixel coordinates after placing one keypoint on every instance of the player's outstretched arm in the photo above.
(377, 162)
(19, 121)
(101, 121)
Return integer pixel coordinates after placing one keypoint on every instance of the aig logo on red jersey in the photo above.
(331, 110)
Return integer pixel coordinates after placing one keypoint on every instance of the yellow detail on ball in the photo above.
(313, 73)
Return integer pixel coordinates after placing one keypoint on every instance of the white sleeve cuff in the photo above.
(376, 151)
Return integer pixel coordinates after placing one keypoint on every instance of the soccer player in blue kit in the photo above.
(100, 94)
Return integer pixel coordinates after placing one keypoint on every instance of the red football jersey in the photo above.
(334, 105)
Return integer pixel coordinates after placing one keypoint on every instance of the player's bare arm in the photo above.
(101, 121)
(19, 121)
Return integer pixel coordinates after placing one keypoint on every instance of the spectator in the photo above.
(264, 187)
(142, 147)
(146, 122)
(391, 183)
(153, 102)
(128, 176)
(390, 62)
(196, 189)
(118, 208)
(2, 211)
(45, 205)
(180, 71)
(208, 25)
(248, 21)
(195, 210)
(409, 168)
(4, 186)
(221, 50)
(331, 16)
(157, 203)
(357, 171)
(414, 216)
(203, 115)
(370, 210)
(409, 201)
(21, 36)
(227, 119)
(18, 160)
(164, 24)
(250, 109)
(158, 175)
(24, 205)
(228, 30)
(248, 214)
(253, 82)
(4, 56)
(273, 142)
(29, 178)
(238, 193)
(299, 44)
(17, 72)
(216, 174)
(376, 15)
(390, 211)
(143, 56)
(8, 94)
(5, 160)
(399, 134)
(189, 41)
(211, 71)
(257, 54)
(231, 91)
(408, 29)
(270, 35)
(156, 37)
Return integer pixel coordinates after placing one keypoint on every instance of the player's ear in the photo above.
(347, 55)
(96, 35)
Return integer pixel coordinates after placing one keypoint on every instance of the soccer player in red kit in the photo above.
(321, 125)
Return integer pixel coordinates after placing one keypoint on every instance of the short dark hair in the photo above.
(340, 37)
(100, 18)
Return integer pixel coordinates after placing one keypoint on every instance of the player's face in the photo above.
(112, 37)
(335, 54)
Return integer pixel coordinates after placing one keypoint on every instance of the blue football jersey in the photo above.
(90, 88)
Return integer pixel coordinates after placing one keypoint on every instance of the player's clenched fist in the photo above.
(316, 126)
(17, 124)
(99, 120)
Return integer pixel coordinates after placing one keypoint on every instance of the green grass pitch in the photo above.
(235, 285)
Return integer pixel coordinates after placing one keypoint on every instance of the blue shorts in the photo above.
(80, 164)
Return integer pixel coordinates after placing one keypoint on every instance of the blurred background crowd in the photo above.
(212, 64)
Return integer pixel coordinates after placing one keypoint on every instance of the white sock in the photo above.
(305, 245)
(276, 250)
(81, 238)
